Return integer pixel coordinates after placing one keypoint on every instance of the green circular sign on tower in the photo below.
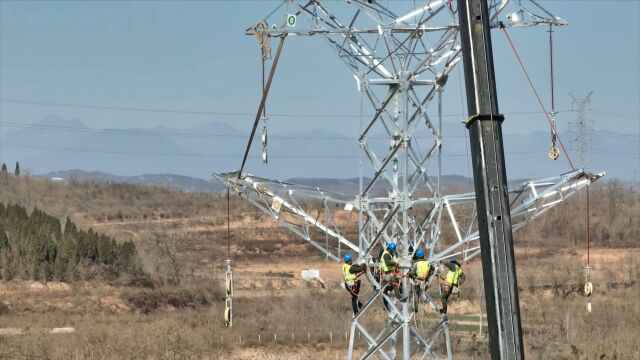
(291, 20)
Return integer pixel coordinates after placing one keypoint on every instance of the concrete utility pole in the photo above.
(494, 220)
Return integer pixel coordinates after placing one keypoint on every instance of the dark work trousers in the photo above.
(354, 290)
(393, 284)
(418, 288)
(445, 292)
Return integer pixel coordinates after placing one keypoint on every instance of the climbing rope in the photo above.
(451, 9)
(552, 124)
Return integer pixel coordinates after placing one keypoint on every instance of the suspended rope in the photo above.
(588, 286)
(554, 153)
(551, 74)
(228, 226)
(228, 274)
(552, 124)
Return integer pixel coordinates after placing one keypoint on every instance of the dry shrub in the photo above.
(283, 274)
(147, 301)
(4, 309)
(170, 335)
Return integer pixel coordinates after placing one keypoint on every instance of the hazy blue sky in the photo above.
(195, 56)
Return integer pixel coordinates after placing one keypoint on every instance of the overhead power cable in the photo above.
(615, 113)
(186, 134)
(224, 156)
(629, 116)
(632, 137)
(195, 155)
(208, 112)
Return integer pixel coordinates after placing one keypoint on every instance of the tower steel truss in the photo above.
(401, 58)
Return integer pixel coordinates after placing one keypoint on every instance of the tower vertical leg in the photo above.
(351, 339)
(406, 334)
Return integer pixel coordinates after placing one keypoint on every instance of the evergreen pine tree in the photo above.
(5, 256)
(4, 167)
(70, 230)
(4, 241)
(17, 171)
(34, 246)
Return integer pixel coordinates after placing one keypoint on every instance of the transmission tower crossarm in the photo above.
(494, 220)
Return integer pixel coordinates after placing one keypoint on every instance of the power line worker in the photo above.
(350, 273)
(421, 272)
(455, 277)
(388, 269)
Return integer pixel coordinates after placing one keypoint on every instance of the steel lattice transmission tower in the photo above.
(401, 57)
(580, 128)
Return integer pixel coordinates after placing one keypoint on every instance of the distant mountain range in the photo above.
(54, 144)
(449, 183)
(192, 184)
(172, 181)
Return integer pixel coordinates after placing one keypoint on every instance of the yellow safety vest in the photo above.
(386, 269)
(347, 275)
(453, 276)
(422, 269)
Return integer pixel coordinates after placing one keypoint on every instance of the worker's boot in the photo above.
(443, 311)
(385, 303)
(398, 293)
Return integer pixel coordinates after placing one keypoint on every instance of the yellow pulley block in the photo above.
(554, 152)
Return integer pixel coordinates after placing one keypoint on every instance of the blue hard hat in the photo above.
(347, 257)
(391, 246)
(420, 253)
(453, 261)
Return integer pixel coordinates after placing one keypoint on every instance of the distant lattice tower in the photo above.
(581, 145)
(580, 128)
